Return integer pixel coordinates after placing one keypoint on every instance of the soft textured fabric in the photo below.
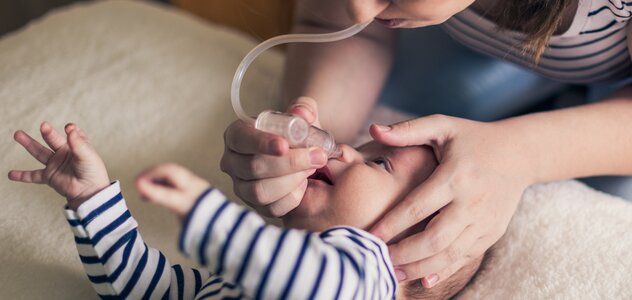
(149, 84)
(566, 241)
(593, 49)
(241, 257)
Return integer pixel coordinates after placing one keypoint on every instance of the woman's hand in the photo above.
(266, 173)
(171, 186)
(73, 167)
(483, 170)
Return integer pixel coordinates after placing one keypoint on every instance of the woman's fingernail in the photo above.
(430, 281)
(317, 157)
(383, 128)
(297, 106)
(400, 275)
(274, 145)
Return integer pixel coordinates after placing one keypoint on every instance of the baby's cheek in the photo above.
(362, 200)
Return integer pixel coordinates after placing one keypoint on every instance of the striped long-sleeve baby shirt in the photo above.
(240, 256)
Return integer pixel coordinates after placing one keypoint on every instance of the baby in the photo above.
(323, 254)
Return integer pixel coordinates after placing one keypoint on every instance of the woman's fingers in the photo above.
(435, 278)
(289, 202)
(242, 138)
(451, 255)
(39, 152)
(52, 138)
(306, 108)
(267, 191)
(419, 204)
(251, 167)
(36, 176)
(429, 130)
(438, 235)
(468, 264)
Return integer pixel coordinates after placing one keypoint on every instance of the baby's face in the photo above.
(359, 187)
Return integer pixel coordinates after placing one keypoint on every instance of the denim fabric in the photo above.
(434, 74)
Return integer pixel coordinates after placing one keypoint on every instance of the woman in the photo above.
(483, 167)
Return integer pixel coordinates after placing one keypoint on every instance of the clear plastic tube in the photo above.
(287, 125)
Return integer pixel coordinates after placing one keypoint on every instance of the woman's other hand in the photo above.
(483, 170)
(72, 166)
(266, 173)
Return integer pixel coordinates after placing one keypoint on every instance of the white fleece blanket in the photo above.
(150, 84)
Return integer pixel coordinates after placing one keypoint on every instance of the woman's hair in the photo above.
(537, 19)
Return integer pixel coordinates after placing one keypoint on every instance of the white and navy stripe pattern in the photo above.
(241, 256)
(593, 49)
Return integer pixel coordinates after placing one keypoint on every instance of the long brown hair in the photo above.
(537, 19)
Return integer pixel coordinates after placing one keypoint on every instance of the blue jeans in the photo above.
(434, 74)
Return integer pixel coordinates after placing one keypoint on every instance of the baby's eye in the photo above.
(380, 162)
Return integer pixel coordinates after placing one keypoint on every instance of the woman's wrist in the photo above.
(518, 145)
(587, 140)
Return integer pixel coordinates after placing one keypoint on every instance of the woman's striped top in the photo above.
(241, 257)
(593, 49)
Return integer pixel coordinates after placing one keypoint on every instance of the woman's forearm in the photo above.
(344, 77)
(588, 140)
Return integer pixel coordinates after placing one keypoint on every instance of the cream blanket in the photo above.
(150, 84)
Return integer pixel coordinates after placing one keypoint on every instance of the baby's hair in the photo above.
(449, 288)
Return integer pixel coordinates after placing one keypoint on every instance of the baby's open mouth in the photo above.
(322, 174)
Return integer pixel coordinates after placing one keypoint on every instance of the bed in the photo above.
(150, 84)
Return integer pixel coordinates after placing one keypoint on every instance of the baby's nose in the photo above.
(349, 154)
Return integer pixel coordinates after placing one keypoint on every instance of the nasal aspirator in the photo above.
(295, 130)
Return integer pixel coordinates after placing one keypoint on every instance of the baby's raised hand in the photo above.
(73, 168)
(171, 186)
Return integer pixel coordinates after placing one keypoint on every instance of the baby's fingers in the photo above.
(41, 153)
(70, 127)
(168, 174)
(54, 140)
(79, 145)
(160, 194)
(36, 176)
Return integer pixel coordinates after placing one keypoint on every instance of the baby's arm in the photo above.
(116, 259)
(267, 261)
(118, 263)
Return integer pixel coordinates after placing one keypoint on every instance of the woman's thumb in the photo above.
(421, 131)
(306, 108)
